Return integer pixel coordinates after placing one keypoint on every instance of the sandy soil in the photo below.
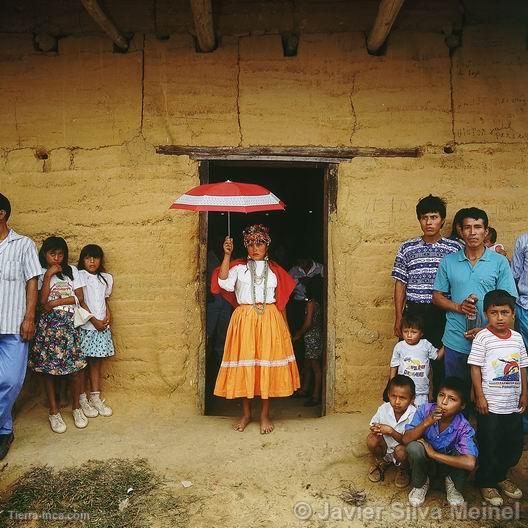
(240, 479)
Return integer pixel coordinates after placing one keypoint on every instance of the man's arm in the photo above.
(440, 300)
(27, 328)
(400, 293)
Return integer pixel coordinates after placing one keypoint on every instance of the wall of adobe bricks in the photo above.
(100, 115)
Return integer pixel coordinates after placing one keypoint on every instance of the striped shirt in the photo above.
(18, 263)
(501, 360)
(416, 265)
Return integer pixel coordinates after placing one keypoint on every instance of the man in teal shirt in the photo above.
(475, 270)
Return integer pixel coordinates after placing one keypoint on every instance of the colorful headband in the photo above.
(256, 234)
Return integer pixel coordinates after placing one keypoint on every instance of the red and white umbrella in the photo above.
(230, 197)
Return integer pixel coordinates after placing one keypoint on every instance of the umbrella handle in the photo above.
(228, 224)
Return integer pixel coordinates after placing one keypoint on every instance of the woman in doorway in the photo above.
(258, 354)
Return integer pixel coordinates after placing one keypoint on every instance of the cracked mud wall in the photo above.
(100, 114)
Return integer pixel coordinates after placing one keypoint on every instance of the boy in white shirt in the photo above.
(386, 431)
(412, 357)
(498, 364)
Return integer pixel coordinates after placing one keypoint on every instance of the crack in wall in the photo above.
(240, 135)
(353, 110)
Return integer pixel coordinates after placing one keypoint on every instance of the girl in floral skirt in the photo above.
(56, 350)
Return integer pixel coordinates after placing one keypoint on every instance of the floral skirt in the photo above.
(258, 356)
(56, 348)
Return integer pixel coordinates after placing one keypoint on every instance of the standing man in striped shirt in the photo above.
(19, 269)
(415, 270)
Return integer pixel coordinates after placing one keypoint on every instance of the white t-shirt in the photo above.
(96, 291)
(62, 288)
(385, 415)
(500, 359)
(239, 281)
(414, 361)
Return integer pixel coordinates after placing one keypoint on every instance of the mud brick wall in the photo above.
(99, 115)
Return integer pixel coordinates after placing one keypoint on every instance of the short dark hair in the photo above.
(457, 222)
(492, 233)
(412, 321)
(476, 214)
(498, 298)
(400, 380)
(5, 205)
(457, 385)
(431, 204)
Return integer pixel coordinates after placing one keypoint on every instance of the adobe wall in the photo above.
(100, 114)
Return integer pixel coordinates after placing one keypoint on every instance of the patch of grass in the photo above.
(96, 495)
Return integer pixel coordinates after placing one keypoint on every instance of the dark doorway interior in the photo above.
(297, 230)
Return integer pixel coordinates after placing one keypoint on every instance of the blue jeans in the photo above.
(521, 325)
(13, 361)
(455, 364)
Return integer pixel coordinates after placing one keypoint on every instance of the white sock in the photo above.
(83, 397)
(94, 395)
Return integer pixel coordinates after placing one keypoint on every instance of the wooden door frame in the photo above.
(330, 202)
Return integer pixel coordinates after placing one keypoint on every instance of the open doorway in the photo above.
(298, 231)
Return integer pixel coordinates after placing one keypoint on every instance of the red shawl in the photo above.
(285, 284)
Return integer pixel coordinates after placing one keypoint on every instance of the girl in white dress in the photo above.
(96, 337)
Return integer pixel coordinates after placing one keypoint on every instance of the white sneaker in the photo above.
(100, 405)
(80, 420)
(87, 409)
(417, 495)
(57, 423)
(454, 497)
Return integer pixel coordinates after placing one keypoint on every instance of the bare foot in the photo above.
(240, 425)
(266, 425)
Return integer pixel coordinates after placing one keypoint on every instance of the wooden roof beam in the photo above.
(387, 12)
(102, 20)
(202, 11)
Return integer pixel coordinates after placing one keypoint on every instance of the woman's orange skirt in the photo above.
(258, 356)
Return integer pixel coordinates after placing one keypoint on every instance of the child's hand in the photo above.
(435, 416)
(100, 326)
(481, 404)
(428, 448)
(228, 246)
(47, 307)
(375, 428)
(385, 429)
(472, 333)
(53, 270)
(523, 402)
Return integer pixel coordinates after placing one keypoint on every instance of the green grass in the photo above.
(95, 490)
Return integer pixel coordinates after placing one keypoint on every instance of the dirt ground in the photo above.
(292, 477)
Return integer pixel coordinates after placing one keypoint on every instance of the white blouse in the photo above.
(239, 281)
(96, 291)
(62, 288)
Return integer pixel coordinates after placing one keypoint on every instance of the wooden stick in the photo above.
(387, 12)
(202, 11)
(312, 153)
(97, 13)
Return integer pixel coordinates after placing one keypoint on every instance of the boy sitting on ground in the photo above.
(440, 440)
(498, 363)
(386, 431)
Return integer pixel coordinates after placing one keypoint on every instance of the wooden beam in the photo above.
(328, 154)
(387, 12)
(102, 20)
(202, 11)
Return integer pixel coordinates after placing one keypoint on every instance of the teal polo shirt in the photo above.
(457, 278)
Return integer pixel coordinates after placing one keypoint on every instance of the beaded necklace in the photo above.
(258, 279)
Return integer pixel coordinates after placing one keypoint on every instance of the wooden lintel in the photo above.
(327, 154)
(102, 20)
(387, 12)
(202, 11)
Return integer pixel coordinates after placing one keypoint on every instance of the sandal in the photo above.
(377, 471)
